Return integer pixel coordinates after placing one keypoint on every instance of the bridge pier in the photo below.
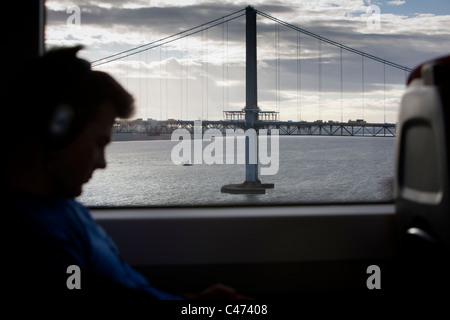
(251, 185)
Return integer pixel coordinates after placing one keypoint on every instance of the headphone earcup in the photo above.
(61, 121)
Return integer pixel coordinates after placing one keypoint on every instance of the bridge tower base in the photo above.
(248, 187)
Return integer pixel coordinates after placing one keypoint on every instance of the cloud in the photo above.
(120, 25)
(395, 2)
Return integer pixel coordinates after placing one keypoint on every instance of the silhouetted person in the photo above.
(58, 115)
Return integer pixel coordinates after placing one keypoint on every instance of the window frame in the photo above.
(218, 235)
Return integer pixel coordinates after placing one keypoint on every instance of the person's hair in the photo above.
(106, 88)
(40, 87)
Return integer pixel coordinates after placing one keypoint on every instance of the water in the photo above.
(312, 169)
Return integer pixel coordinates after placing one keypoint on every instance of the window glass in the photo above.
(329, 82)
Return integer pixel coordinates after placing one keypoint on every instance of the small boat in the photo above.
(187, 163)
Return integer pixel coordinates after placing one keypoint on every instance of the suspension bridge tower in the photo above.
(252, 184)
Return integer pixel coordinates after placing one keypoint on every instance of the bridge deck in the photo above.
(158, 127)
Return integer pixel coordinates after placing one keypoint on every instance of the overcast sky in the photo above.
(201, 76)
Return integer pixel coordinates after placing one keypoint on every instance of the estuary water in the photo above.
(312, 169)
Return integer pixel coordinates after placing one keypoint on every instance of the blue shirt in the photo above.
(73, 237)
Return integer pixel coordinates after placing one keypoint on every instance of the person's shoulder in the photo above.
(75, 203)
(81, 210)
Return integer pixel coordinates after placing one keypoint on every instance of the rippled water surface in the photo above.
(311, 169)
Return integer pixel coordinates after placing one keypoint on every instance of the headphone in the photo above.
(66, 91)
(61, 120)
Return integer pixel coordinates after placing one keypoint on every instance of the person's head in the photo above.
(67, 111)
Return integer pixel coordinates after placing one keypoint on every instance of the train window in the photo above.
(328, 84)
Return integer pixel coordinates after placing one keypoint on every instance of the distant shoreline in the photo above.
(138, 136)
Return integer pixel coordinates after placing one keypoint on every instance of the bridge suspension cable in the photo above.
(342, 85)
(299, 78)
(187, 81)
(319, 62)
(384, 91)
(166, 87)
(277, 67)
(363, 86)
(223, 68)
(207, 74)
(160, 82)
(169, 39)
(205, 68)
(334, 43)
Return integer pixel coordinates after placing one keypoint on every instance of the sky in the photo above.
(203, 75)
